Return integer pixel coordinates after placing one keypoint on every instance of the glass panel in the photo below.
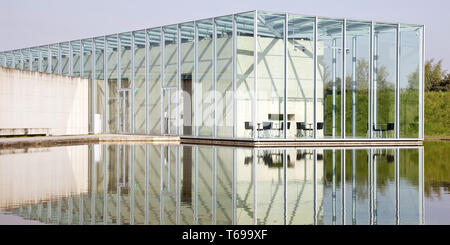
(139, 82)
(270, 186)
(410, 207)
(270, 99)
(170, 110)
(384, 176)
(99, 77)
(9, 60)
(76, 58)
(124, 105)
(357, 79)
(87, 73)
(18, 61)
(111, 90)
(245, 182)
(300, 81)
(26, 59)
(300, 186)
(65, 58)
(139, 189)
(34, 59)
(223, 192)
(357, 170)
(245, 74)
(385, 69)
(187, 185)
(168, 186)
(410, 63)
(154, 78)
(224, 76)
(54, 51)
(125, 60)
(87, 58)
(170, 55)
(154, 183)
(2, 59)
(187, 73)
(44, 59)
(204, 185)
(329, 78)
(332, 186)
(205, 87)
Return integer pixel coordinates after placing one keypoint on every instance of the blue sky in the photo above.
(26, 23)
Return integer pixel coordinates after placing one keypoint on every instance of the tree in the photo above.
(434, 75)
(445, 85)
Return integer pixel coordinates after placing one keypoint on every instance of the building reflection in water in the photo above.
(190, 184)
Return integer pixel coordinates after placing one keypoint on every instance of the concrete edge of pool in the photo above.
(22, 142)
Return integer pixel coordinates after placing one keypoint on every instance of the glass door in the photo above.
(170, 110)
(124, 109)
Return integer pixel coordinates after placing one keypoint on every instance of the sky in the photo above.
(27, 23)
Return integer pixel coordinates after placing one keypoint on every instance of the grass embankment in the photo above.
(437, 114)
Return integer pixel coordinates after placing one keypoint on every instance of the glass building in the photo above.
(249, 76)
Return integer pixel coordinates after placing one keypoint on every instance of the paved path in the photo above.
(83, 139)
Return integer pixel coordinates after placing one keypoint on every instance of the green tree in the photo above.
(434, 76)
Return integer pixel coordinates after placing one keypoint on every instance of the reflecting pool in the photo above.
(193, 184)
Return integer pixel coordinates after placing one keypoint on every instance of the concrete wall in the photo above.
(39, 100)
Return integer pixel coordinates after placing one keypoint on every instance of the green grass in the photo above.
(437, 114)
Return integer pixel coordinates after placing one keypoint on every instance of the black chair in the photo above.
(390, 127)
(376, 130)
(301, 126)
(282, 126)
(249, 126)
(267, 125)
(319, 125)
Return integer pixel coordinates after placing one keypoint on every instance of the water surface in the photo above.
(190, 184)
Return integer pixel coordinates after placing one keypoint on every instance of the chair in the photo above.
(288, 126)
(300, 127)
(282, 127)
(390, 127)
(249, 126)
(376, 130)
(319, 125)
(266, 126)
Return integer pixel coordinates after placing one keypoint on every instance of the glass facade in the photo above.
(254, 76)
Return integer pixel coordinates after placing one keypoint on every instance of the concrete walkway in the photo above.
(20, 142)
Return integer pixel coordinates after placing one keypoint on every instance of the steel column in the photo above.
(255, 73)
(422, 84)
(397, 86)
(147, 85)
(133, 90)
(105, 99)
(254, 180)
(285, 41)
(333, 75)
(195, 97)
(344, 82)
(163, 119)
(315, 78)
(234, 64)
(214, 78)
(354, 87)
(177, 107)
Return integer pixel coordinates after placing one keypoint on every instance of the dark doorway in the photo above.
(186, 87)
